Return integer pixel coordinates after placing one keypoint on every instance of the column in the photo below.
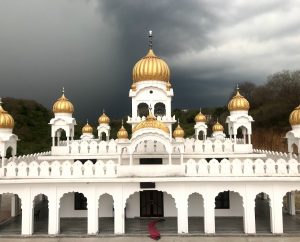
(119, 216)
(170, 159)
(276, 214)
(249, 215)
(54, 219)
(92, 214)
(130, 159)
(27, 216)
(209, 214)
(249, 138)
(181, 158)
(291, 203)
(182, 215)
(13, 210)
(68, 141)
(53, 141)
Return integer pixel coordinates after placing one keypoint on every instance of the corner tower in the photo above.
(151, 88)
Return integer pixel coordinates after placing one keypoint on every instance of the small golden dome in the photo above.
(178, 132)
(295, 116)
(6, 120)
(238, 103)
(200, 117)
(103, 119)
(122, 133)
(169, 86)
(151, 122)
(133, 87)
(151, 67)
(87, 129)
(218, 127)
(63, 105)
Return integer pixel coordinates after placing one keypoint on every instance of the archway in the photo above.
(242, 135)
(143, 110)
(229, 212)
(295, 149)
(142, 208)
(262, 213)
(40, 214)
(106, 214)
(201, 135)
(160, 109)
(10, 214)
(73, 213)
(9, 152)
(103, 136)
(291, 222)
(196, 213)
(60, 137)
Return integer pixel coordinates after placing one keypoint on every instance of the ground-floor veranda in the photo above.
(268, 219)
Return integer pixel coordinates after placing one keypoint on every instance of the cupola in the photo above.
(6, 120)
(63, 105)
(238, 103)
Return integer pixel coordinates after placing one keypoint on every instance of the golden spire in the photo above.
(294, 118)
(178, 132)
(104, 119)
(151, 67)
(122, 133)
(238, 102)
(63, 105)
(200, 117)
(87, 129)
(6, 120)
(218, 127)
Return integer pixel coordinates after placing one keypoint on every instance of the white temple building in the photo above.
(109, 185)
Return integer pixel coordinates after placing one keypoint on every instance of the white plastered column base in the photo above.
(209, 214)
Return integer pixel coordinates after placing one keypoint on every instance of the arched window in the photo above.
(143, 109)
(159, 109)
(9, 152)
(295, 149)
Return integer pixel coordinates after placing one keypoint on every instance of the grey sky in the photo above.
(90, 47)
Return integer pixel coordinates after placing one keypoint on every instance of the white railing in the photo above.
(275, 154)
(202, 167)
(58, 169)
(27, 158)
(246, 167)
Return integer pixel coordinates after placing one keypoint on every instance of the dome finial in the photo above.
(63, 90)
(150, 39)
(87, 121)
(0, 101)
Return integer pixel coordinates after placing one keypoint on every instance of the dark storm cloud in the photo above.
(91, 46)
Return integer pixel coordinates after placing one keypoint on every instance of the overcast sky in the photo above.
(90, 47)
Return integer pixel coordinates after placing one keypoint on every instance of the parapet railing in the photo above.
(202, 167)
(275, 154)
(27, 158)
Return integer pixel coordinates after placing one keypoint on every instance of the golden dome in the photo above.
(218, 127)
(151, 67)
(200, 117)
(178, 132)
(122, 133)
(238, 103)
(103, 119)
(169, 86)
(63, 105)
(295, 116)
(151, 122)
(6, 120)
(87, 129)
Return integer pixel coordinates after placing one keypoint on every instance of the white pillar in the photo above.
(181, 158)
(291, 203)
(182, 215)
(209, 214)
(249, 215)
(14, 206)
(170, 159)
(92, 215)
(27, 216)
(54, 219)
(249, 138)
(276, 215)
(130, 159)
(119, 216)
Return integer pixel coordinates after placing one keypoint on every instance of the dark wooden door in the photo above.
(151, 204)
(151, 161)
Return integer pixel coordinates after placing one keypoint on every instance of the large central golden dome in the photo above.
(151, 122)
(151, 67)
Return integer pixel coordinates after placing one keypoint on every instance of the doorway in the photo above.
(151, 203)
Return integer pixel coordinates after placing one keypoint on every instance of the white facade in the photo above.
(189, 172)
